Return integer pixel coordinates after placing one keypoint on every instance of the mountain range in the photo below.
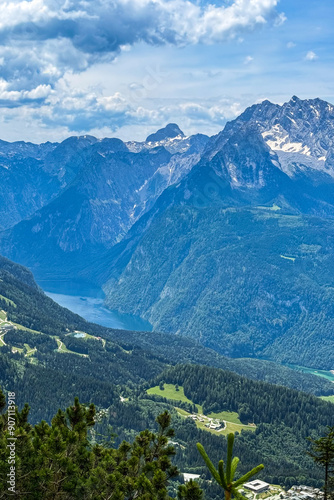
(227, 239)
(101, 188)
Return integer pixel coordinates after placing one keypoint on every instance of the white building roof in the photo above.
(187, 476)
(256, 485)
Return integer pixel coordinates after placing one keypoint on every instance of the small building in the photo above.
(257, 486)
(79, 335)
(187, 476)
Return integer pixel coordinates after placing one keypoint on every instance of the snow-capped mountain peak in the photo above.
(300, 132)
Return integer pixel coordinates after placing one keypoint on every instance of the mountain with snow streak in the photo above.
(300, 132)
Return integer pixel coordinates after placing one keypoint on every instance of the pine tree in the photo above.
(59, 461)
(224, 475)
(322, 452)
(190, 491)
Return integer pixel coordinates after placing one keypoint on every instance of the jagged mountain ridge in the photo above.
(32, 175)
(298, 126)
(267, 156)
(104, 186)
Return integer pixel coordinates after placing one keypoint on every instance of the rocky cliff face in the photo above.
(301, 132)
(100, 189)
(270, 154)
(32, 175)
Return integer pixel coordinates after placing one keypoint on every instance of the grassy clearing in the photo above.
(229, 426)
(233, 423)
(170, 392)
(328, 398)
(182, 412)
(21, 327)
(30, 350)
(17, 349)
(229, 416)
(8, 301)
(62, 348)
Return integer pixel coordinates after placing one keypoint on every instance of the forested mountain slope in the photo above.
(246, 282)
(44, 345)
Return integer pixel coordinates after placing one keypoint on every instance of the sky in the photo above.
(125, 68)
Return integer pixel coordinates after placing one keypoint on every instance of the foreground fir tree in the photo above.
(224, 476)
(57, 461)
(322, 452)
(190, 491)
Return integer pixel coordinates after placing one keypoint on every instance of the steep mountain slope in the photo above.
(244, 282)
(111, 189)
(32, 175)
(25, 186)
(38, 321)
(240, 279)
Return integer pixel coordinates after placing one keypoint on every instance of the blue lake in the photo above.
(87, 301)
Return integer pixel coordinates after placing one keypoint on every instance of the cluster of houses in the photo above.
(253, 488)
(210, 423)
(302, 492)
(216, 426)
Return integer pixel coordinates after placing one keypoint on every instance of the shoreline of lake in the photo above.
(88, 302)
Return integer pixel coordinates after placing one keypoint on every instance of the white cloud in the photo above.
(248, 59)
(311, 56)
(45, 42)
(280, 19)
(115, 103)
(37, 93)
(290, 45)
(67, 111)
(43, 39)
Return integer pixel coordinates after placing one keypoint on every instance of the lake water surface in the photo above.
(87, 301)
